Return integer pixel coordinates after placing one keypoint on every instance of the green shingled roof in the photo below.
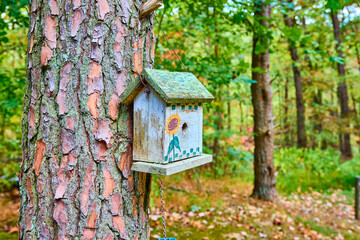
(173, 87)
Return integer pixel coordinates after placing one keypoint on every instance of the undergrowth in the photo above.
(314, 169)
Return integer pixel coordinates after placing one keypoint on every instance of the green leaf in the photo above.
(171, 147)
(176, 142)
(258, 70)
(239, 17)
(293, 33)
(288, 5)
(195, 208)
(334, 4)
(337, 59)
(243, 79)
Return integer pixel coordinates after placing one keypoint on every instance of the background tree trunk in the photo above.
(76, 181)
(357, 44)
(317, 101)
(345, 145)
(229, 115)
(264, 183)
(219, 110)
(300, 108)
(241, 126)
(286, 120)
(357, 121)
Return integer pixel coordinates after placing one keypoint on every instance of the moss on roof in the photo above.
(173, 87)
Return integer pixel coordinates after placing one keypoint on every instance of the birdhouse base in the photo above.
(171, 168)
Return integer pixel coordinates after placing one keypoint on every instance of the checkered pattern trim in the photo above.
(192, 106)
(184, 154)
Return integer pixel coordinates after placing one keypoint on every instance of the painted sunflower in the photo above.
(173, 124)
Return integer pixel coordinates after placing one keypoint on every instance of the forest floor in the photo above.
(207, 209)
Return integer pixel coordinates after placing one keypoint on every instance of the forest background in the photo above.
(214, 40)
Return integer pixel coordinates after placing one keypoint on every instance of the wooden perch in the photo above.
(149, 7)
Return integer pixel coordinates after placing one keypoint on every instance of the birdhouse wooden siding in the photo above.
(168, 116)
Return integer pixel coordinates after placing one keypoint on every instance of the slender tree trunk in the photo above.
(357, 54)
(264, 183)
(335, 116)
(241, 117)
(219, 111)
(300, 107)
(229, 114)
(286, 110)
(357, 121)
(219, 127)
(357, 44)
(345, 144)
(317, 99)
(317, 119)
(76, 181)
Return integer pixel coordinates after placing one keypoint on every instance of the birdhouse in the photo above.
(168, 120)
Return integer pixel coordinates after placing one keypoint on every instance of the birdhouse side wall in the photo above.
(149, 126)
(183, 131)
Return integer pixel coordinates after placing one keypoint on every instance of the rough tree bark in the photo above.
(345, 145)
(264, 183)
(300, 107)
(76, 181)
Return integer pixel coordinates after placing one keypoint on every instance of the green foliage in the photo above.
(334, 4)
(12, 82)
(8, 236)
(13, 15)
(8, 173)
(232, 161)
(317, 169)
(293, 34)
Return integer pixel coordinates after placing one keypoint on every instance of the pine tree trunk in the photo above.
(300, 108)
(264, 183)
(345, 145)
(76, 181)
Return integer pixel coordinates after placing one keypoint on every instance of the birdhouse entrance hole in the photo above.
(184, 127)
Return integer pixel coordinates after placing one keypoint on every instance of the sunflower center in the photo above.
(173, 124)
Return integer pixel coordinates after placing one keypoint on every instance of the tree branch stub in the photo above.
(149, 7)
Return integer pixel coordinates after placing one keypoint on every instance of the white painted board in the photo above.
(185, 140)
(171, 168)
